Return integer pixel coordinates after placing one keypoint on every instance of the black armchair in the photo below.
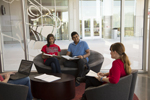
(13, 92)
(119, 91)
(123, 90)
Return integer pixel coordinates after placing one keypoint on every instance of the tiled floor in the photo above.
(142, 88)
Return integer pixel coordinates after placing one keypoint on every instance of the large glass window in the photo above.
(62, 13)
(53, 12)
(102, 18)
(99, 27)
(12, 35)
(46, 17)
(41, 17)
(133, 31)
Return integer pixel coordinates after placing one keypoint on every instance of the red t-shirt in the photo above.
(116, 71)
(52, 49)
(1, 78)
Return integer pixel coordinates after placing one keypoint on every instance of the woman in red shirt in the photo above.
(120, 67)
(51, 49)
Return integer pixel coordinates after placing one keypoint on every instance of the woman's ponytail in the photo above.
(124, 58)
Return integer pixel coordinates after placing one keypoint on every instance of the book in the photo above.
(92, 74)
(47, 78)
(51, 55)
(70, 58)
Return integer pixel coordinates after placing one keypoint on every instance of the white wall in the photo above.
(6, 21)
(11, 22)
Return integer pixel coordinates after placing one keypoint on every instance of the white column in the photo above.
(122, 21)
(148, 53)
(24, 30)
(73, 16)
(83, 32)
(91, 27)
(76, 15)
(138, 25)
(145, 35)
(148, 46)
(1, 49)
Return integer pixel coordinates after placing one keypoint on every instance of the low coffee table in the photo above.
(62, 89)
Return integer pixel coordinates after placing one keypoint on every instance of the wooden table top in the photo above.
(64, 77)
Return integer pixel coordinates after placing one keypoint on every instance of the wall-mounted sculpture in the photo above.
(8, 1)
(45, 29)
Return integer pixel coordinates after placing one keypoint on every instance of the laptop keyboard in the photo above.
(17, 76)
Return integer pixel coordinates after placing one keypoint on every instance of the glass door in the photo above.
(87, 28)
(96, 25)
(89, 15)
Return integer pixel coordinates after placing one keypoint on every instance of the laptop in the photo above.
(23, 71)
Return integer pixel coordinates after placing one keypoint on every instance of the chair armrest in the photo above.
(133, 83)
(13, 92)
(95, 63)
(108, 91)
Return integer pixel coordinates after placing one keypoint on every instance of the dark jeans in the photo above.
(91, 82)
(76, 64)
(54, 64)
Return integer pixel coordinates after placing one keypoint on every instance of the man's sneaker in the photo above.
(81, 79)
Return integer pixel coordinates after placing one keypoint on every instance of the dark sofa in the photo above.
(95, 63)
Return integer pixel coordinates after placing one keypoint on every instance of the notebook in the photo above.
(23, 71)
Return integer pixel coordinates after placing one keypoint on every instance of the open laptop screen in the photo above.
(25, 67)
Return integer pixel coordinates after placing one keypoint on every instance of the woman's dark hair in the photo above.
(120, 49)
(74, 33)
(48, 36)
